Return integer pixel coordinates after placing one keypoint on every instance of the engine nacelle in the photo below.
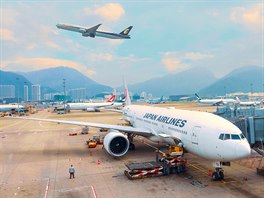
(116, 143)
(90, 109)
(86, 34)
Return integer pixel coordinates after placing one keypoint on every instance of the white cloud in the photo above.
(52, 45)
(8, 16)
(7, 35)
(101, 57)
(252, 17)
(31, 64)
(109, 11)
(197, 56)
(172, 62)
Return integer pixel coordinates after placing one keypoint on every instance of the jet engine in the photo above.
(86, 34)
(116, 143)
(91, 109)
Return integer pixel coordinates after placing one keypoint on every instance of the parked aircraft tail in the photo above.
(197, 96)
(238, 100)
(112, 99)
(126, 31)
(126, 93)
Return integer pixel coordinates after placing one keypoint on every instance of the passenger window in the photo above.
(227, 137)
(235, 137)
(242, 136)
(221, 136)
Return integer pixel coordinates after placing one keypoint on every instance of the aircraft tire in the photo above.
(221, 175)
(215, 176)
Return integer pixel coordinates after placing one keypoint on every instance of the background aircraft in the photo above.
(11, 107)
(92, 32)
(215, 102)
(91, 106)
(248, 103)
(204, 134)
(155, 101)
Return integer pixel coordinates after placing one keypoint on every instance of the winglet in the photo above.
(126, 31)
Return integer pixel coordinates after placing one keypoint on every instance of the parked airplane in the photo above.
(248, 103)
(215, 102)
(92, 32)
(155, 101)
(204, 134)
(11, 107)
(91, 106)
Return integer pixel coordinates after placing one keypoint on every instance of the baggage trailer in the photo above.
(164, 166)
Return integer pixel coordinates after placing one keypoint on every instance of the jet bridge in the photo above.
(249, 120)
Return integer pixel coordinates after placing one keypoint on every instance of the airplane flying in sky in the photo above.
(91, 106)
(92, 32)
(203, 134)
(215, 102)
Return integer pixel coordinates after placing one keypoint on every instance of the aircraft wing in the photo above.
(80, 29)
(93, 29)
(127, 129)
(219, 103)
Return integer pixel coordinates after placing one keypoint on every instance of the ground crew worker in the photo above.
(71, 171)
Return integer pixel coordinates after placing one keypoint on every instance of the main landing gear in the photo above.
(130, 139)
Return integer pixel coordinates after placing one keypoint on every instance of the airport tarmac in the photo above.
(35, 158)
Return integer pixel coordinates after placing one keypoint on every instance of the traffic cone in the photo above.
(209, 173)
(91, 154)
(98, 162)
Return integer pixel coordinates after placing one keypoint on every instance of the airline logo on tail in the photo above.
(126, 31)
(112, 99)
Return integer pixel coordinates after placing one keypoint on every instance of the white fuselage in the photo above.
(92, 106)
(11, 107)
(216, 101)
(198, 131)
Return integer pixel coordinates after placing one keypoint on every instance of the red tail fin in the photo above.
(112, 99)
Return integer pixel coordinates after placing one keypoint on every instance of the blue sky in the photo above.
(167, 37)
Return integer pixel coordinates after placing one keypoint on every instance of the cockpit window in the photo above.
(235, 137)
(227, 137)
(242, 136)
(221, 136)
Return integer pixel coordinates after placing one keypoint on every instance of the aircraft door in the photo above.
(195, 135)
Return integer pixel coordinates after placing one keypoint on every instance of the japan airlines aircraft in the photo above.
(204, 134)
(215, 102)
(92, 32)
(91, 106)
(248, 103)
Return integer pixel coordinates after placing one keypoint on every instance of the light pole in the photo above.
(64, 93)
(17, 93)
(251, 90)
(225, 90)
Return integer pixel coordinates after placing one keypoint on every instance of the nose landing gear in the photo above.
(218, 174)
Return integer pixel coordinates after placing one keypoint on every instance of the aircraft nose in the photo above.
(243, 150)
